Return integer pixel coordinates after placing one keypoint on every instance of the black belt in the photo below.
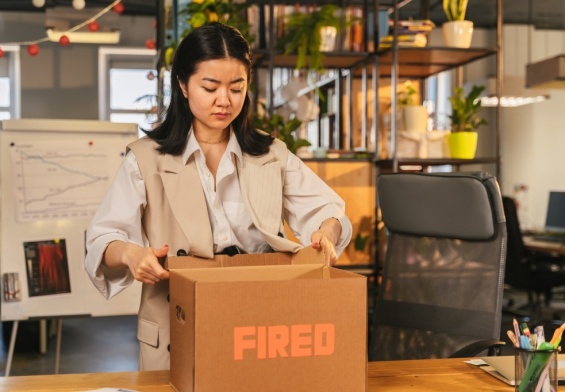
(231, 251)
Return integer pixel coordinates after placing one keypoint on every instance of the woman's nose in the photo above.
(223, 98)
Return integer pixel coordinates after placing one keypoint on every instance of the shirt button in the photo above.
(216, 205)
(207, 174)
(224, 238)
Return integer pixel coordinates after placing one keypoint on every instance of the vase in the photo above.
(457, 33)
(328, 36)
(462, 145)
(415, 118)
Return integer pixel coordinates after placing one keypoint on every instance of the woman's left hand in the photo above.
(325, 239)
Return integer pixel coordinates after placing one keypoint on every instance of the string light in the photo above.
(33, 46)
(79, 4)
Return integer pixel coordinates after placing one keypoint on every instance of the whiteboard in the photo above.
(53, 174)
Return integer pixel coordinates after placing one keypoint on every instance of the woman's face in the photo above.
(216, 93)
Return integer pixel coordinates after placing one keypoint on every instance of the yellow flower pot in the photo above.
(462, 145)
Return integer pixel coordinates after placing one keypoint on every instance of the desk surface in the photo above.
(391, 376)
(556, 248)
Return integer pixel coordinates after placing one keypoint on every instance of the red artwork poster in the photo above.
(47, 267)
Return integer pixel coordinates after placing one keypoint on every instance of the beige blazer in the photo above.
(176, 215)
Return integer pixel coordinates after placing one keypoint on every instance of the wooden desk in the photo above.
(554, 248)
(391, 376)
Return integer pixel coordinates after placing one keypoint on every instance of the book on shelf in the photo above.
(405, 40)
(414, 26)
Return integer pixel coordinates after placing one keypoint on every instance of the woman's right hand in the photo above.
(143, 262)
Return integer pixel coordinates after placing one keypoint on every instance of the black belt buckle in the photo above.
(231, 251)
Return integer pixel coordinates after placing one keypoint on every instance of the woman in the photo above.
(204, 182)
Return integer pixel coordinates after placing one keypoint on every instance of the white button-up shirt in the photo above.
(304, 192)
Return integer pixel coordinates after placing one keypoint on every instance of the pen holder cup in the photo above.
(536, 370)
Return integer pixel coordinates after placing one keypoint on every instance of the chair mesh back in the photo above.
(439, 294)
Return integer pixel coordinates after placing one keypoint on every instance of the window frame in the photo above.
(14, 77)
(140, 58)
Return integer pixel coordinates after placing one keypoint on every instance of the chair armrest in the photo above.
(474, 349)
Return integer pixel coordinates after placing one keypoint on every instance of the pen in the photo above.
(525, 329)
(513, 338)
(517, 331)
(524, 342)
(556, 339)
(541, 335)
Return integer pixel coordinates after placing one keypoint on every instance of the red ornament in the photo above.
(93, 26)
(150, 44)
(33, 50)
(64, 40)
(118, 8)
(1, 52)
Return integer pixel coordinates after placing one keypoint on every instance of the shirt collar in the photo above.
(192, 146)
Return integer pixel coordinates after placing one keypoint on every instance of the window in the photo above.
(128, 86)
(10, 82)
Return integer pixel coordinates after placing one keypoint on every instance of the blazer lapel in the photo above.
(262, 189)
(188, 204)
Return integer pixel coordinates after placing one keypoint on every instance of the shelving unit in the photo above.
(395, 63)
(421, 63)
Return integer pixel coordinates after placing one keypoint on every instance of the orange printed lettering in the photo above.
(240, 343)
(278, 340)
(324, 339)
(283, 341)
(301, 340)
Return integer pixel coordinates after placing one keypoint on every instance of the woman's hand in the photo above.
(325, 239)
(143, 263)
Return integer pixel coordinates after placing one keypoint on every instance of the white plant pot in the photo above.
(457, 33)
(415, 118)
(328, 35)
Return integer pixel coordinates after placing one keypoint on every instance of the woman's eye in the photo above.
(210, 90)
(233, 90)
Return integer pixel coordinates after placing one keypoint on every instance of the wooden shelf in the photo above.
(412, 62)
(429, 61)
(332, 60)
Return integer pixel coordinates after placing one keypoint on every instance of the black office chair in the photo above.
(532, 272)
(442, 282)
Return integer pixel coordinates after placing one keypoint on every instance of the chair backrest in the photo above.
(443, 272)
(517, 272)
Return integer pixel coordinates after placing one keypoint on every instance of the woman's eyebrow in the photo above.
(208, 79)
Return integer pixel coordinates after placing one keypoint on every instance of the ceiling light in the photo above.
(549, 73)
(513, 93)
(90, 37)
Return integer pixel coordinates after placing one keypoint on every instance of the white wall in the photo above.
(533, 136)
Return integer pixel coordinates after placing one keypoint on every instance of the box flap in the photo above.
(307, 255)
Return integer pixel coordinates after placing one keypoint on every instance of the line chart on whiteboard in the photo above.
(58, 182)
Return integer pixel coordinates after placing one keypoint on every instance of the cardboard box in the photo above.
(290, 326)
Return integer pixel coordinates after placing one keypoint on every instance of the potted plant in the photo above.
(279, 128)
(415, 115)
(310, 34)
(462, 140)
(197, 13)
(457, 32)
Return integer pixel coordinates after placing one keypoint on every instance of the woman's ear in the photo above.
(183, 87)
